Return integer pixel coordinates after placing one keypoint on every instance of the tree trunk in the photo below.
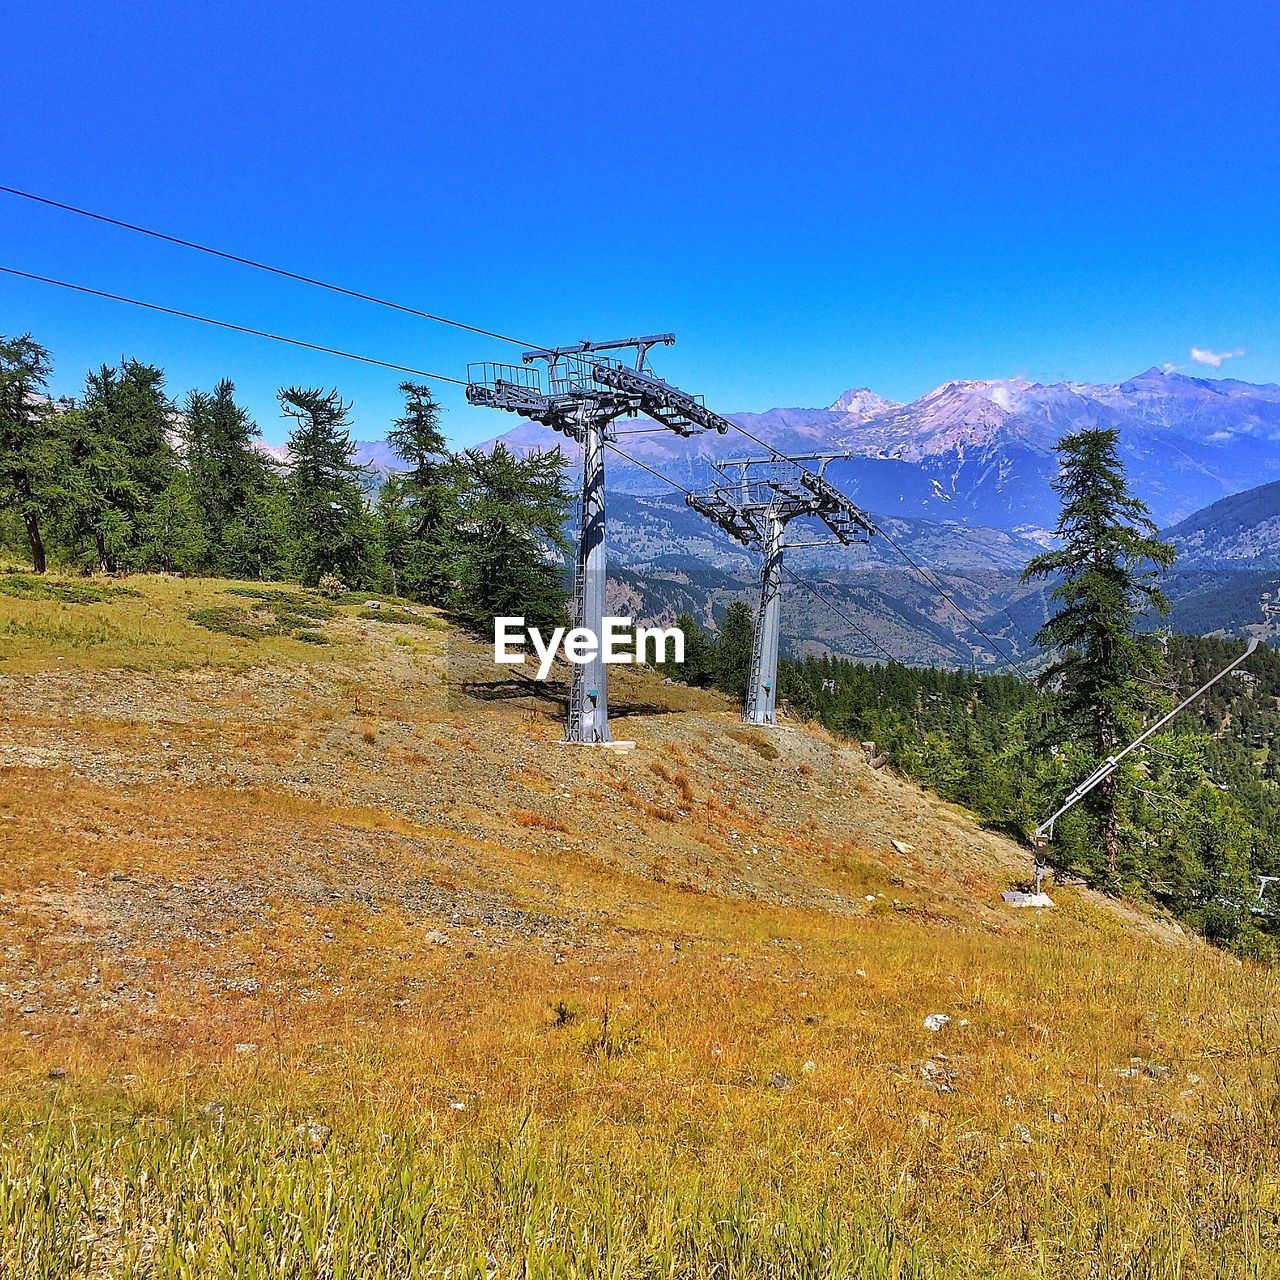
(1109, 827)
(105, 562)
(1108, 794)
(37, 543)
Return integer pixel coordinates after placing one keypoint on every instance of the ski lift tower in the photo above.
(586, 393)
(758, 498)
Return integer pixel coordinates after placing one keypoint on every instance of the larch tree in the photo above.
(328, 520)
(229, 481)
(507, 539)
(29, 460)
(1105, 573)
(414, 505)
(121, 462)
(732, 663)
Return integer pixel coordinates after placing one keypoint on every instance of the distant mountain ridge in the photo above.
(981, 452)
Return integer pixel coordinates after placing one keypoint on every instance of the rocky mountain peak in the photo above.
(862, 403)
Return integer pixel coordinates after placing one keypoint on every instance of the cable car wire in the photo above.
(795, 577)
(262, 266)
(227, 324)
(924, 573)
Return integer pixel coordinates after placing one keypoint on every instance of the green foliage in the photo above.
(698, 667)
(302, 603)
(30, 446)
(394, 617)
(120, 481)
(1105, 571)
(1198, 815)
(329, 525)
(116, 463)
(731, 666)
(414, 508)
(231, 490)
(506, 536)
(27, 588)
(271, 613)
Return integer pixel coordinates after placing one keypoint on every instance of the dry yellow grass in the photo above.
(330, 968)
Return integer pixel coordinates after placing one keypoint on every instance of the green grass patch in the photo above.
(396, 617)
(302, 603)
(292, 614)
(27, 587)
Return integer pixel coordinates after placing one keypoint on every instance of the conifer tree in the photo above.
(1105, 573)
(119, 462)
(413, 506)
(227, 485)
(508, 545)
(328, 522)
(698, 666)
(29, 460)
(733, 650)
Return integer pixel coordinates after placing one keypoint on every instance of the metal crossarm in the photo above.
(719, 509)
(681, 412)
(848, 522)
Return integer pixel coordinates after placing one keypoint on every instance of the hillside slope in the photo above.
(341, 923)
(1240, 531)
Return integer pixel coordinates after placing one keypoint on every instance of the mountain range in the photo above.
(1242, 531)
(961, 479)
(982, 452)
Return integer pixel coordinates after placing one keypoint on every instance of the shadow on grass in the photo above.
(554, 695)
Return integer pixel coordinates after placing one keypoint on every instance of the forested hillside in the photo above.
(1203, 819)
(126, 478)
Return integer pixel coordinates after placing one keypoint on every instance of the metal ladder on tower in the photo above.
(576, 676)
(757, 656)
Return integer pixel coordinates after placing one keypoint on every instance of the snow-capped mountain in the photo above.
(981, 451)
(862, 403)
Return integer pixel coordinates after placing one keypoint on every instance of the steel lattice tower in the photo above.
(586, 393)
(757, 500)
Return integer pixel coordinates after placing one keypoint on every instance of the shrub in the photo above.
(23, 587)
(528, 818)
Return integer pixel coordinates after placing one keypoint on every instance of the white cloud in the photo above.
(1169, 367)
(1202, 355)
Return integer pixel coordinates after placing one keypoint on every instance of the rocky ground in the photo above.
(149, 811)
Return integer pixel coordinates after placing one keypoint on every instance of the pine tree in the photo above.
(29, 443)
(227, 483)
(699, 654)
(1105, 574)
(328, 523)
(413, 507)
(507, 545)
(733, 650)
(120, 461)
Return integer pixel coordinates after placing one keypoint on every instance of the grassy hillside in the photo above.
(321, 958)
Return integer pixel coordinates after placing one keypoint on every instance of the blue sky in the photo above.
(811, 196)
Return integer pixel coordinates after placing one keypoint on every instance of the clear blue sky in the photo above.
(811, 196)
